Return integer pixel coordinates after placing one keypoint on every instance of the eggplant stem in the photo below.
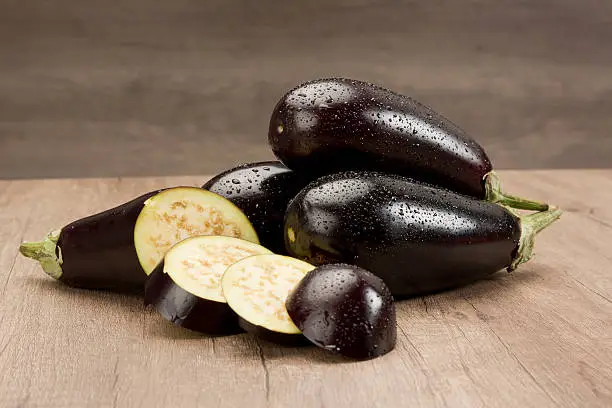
(495, 194)
(45, 252)
(531, 225)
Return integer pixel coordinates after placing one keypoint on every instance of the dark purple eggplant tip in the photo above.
(346, 310)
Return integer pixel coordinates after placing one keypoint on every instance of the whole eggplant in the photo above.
(417, 237)
(337, 124)
(262, 191)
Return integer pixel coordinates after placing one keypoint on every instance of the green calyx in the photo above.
(494, 194)
(531, 225)
(45, 252)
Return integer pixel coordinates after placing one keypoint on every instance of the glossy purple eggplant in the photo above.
(346, 310)
(336, 124)
(418, 238)
(262, 191)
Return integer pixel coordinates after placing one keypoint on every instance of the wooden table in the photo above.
(539, 337)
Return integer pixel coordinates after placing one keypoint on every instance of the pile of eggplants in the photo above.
(383, 196)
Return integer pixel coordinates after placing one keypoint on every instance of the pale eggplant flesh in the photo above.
(185, 287)
(182, 212)
(256, 289)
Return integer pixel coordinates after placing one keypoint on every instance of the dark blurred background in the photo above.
(140, 87)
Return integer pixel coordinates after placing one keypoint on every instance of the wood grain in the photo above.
(539, 337)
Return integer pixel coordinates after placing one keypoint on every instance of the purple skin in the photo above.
(337, 124)
(346, 310)
(185, 309)
(98, 251)
(262, 191)
(418, 238)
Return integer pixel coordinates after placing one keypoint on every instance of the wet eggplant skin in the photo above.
(184, 309)
(418, 238)
(98, 251)
(346, 310)
(262, 190)
(337, 124)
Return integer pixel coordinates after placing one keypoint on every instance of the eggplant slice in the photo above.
(346, 310)
(182, 212)
(256, 289)
(185, 287)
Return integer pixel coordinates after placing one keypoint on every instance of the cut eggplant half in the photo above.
(256, 289)
(346, 310)
(185, 287)
(95, 252)
(182, 212)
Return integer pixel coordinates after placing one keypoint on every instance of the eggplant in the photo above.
(262, 191)
(116, 249)
(182, 212)
(256, 289)
(417, 237)
(346, 310)
(330, 125)
(185, 287)
(95, 252)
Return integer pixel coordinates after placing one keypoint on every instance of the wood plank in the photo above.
(538, 337)
(586, 223)
(584, 192)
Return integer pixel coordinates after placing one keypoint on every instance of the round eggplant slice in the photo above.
(256, 289)
(182, 212)
(185, 287)
(346, 310)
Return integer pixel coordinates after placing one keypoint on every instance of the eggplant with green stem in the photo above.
(417, 237)
(337, 124)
